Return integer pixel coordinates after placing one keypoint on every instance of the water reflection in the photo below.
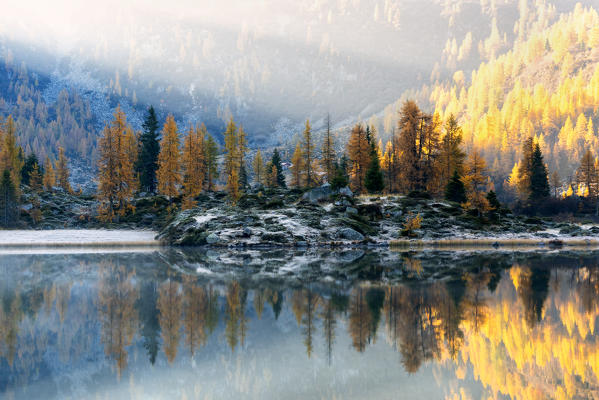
(135, 326)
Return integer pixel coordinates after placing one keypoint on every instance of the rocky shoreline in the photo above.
(323, 217)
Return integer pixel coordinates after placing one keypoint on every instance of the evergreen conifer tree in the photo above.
(147, 161)
(340, 179)
(8, 201)
(211, 154)
(539, 183)
(276, 162)
(30, 161)
(374, 176)
(456, 190)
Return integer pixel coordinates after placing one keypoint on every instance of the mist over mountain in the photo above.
(271, 64)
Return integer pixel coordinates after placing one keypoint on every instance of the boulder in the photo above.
(346, 192)
(351, 210)
(350, 234)
(212, 238)
(318, 194)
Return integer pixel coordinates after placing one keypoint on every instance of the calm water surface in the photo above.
(149, 326)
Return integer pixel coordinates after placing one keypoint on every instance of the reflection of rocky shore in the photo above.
(516, 325)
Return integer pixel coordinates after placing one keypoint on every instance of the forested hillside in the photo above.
(44, 125)
(545, 86)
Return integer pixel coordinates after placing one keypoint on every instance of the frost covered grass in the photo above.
(77, 238)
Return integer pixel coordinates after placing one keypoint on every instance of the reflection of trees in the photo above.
(275, 299)
(10, 318)
(359, 319)
(194, 311)
(148, 313)
(533, 287)
(329, 322)
(116, 312)
(304, 303)
(588, 287)
(259, 300)
(236, 322)
(474, 303)
(170, 305)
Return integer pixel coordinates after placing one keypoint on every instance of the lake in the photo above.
(354, 324)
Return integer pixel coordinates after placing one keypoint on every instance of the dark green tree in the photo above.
(276, 161)
(493, 202)
(30, 161)
(341, 178)
(243, 177)
(9, 206)
(147, 160)
(539, 182)
(455, 189)
(148, 313)
(374, 176)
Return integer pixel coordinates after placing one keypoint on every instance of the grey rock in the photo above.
(346, 192)
(351, 210)
(247, 232)
(318, 194)
(212, 238)
(350, 234)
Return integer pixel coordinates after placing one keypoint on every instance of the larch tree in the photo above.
(413, 128)
(242, 150)
(193, 166)
(117, 150)
(451, 156)
(328, 152)
(258, 166)
(35, 178)
(358, 151)
(62, 171)
(308, 156)
(9, 153)
(587, 175)
(475, 179)
(147, 161)
(297, 166)
(232, 162)
(49, 178)
(525, 169)
(169, 165)
(556, 183)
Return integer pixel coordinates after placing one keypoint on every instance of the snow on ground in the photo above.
(74, 237)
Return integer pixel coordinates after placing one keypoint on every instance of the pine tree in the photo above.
(211, 155)
(49, 177)
(258, 166)
(307, 152)
(341, 179)
(328, 152)
(297, 166)
(147, 161)
(358, 151)
(9, 208)
(373, 181)
(493, 201)
(539, 184)
(276, 161)
(62, 171)
(169, 171)
(272, 175)
(455, 189)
